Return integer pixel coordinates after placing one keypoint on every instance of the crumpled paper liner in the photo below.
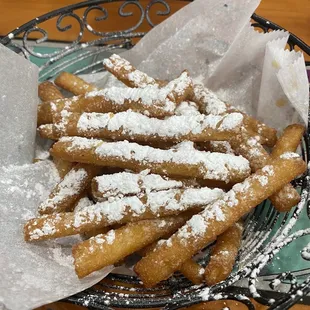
(214, 41)
(33, 274)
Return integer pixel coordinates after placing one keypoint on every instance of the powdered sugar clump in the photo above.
(108, 237)
(83, 203)
(68, 187)
(123, 67)
(187, 108)
(209, 102)
(133, 123)
(222, 146)
(126, 183)
(289, 155)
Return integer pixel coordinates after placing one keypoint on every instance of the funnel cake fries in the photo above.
(289, 140)
(249, 148)
(73, 84)
(287, 197)
(48, 91)
(209, 103)
(129, 184)
(223, 255)
(108, 249)
(165, 149)
(70, 189)
(218, 217)
(128, 74)
(151, 100)
(137, 127)
(190, 269)
(120, 211)
(172, 162)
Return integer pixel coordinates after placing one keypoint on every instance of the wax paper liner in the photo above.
(18, 105)
(284, 90)
(33, 274)
(215, 42)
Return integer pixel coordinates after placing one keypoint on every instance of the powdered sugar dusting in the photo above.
(61, 258)
(268, 170)
(68, 187)
(289, 155)
(123, 67)
(109, 238)
(126, 183)
(231, 121)
(224, 146)
(83, 203)
(208, 101)
(132, 123)
(187, 108)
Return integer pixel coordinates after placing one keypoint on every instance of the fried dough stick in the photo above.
(137, 127)
(151, 100)
(108, 249)
(70, 190)
(190, 269)
(258, 157)
(172, 162)
(48, 91)
(218, 217)
(209, 103)
(125, 72)
(119, 211)
(286, 198)
(223, 255)
(73, 84)
(289, 140)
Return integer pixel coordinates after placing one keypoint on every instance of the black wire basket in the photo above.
(261, 242)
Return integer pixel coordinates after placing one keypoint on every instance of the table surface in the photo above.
(293, 15)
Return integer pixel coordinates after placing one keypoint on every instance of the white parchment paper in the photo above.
(214, 41)
(33, 274)
(18, 105)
